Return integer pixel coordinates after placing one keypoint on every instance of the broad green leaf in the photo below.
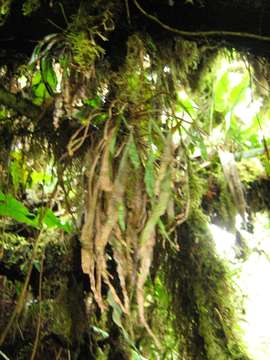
(51, 220)
(40, 93)
(36, 78)
(186, 106)
(238, 92)
(221, 92)
(48, 75)
(13, 208)
(44, 81)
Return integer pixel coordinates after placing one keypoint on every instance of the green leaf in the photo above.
(267, 168)
(149, 175)
(116, 317)
(39, 93)
(95, 103)
(64, 62)
(15, 174)
(112, 145)
(51, 220)
(136, 356)
(48, 75)
(44, 81)
(163, 230)
(133, 154)
(3, 113)
(186, 106)
(40, 177)
(37, 265)
(221, 91)
(99, 119)
(15, 209)
(203, 148)
(100, 332)
(121, 216)
(117, 312)
(238, 92)
(36, 78)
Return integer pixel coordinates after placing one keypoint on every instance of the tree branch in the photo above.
(19, 104)
(211, 33)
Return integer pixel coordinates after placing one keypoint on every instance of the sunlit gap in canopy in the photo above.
(251, 275)
(234, 97)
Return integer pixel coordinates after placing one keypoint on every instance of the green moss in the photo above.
(197, 188)
(61, 318)
(4, 10)
(30, 6)
(250, 170)
(203, 296)
(84, 48)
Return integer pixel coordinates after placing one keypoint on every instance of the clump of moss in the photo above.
(134, 84)
(250, 170)
(85, 49)
(86, 33)
(30, 6)
(4, 10)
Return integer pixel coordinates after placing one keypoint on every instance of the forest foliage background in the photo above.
(120, 144)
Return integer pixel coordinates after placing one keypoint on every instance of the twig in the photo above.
(128, 12)
(34, 352)
(211, 33)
